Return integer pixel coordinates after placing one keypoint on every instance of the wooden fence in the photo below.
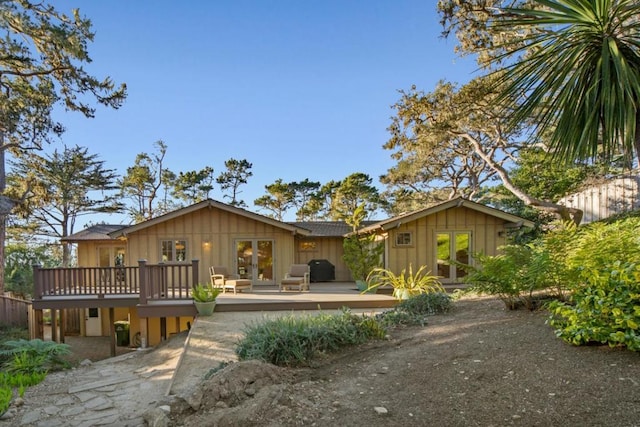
(14, 311)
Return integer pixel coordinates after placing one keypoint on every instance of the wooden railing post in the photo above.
(37, 281)
(195, 277)
(143, 280)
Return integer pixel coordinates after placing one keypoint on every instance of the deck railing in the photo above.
(150, 281)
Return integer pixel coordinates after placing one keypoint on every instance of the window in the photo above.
(404, 239)
(307, 246)
(174, 251)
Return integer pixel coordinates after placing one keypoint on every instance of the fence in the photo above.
(14, 311)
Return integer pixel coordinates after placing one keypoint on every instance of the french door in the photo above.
(254, 260)
(456, 246)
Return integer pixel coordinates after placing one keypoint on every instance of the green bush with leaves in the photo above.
(6, 394)
(503, 275)
(28, 356)
(416, 309)
(296, 340)
(605, 310)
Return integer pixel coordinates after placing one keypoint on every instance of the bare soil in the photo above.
(478, 365)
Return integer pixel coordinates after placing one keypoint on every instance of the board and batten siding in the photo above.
(602, 201)
(486, 236)
(210, 235)
(329, 248)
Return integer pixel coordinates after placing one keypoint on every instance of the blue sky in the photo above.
(301, 89)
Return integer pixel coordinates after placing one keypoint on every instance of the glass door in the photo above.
(456, 246)
(254, 261)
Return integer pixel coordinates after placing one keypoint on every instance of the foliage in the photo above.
(42, 60)
(12, 333)
(6, 394)
(20, 258)
(605, 310)
(579, 70)
(279, 198)
(296, 340)
(58, 189)
(406, 283)
(237, 174)
(503, 275)
(33, 355)
(205, 292)
(361, 252)
(416, 309)
(142, 184)
(193, 186)
(454, 141)
(22, 379)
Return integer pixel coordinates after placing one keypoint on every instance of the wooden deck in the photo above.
(322, 295)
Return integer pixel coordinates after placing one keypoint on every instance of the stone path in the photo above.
(111, 392)
(118, 391)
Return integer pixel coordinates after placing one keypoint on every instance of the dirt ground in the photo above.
(478, 365)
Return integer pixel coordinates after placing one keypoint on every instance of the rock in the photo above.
(250, 391)
(381, 410)
(18, 402)
(86, 362)
(156, 417)
(165, 408)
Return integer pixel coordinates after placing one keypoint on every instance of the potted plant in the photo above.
(361, 253)
(204, 298)
(405, 285)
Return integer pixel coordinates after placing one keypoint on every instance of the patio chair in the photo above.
(298, 276)
(220, 278)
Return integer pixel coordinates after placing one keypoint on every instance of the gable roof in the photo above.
(396, 221)
(94, 232)
(209, 203)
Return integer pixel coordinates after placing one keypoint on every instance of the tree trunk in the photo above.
(563, 212)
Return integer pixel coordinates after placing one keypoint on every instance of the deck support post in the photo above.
(112, 331)
(163, 328)
(63, 321)
(144, 332)
(54, 325)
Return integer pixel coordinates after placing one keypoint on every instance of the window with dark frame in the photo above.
(404, 238)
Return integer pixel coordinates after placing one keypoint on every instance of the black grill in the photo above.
(322, 270)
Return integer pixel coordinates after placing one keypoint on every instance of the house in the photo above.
(452, 230)
(614, 196)
(142, 273)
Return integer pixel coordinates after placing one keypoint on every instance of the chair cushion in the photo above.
(298, 270)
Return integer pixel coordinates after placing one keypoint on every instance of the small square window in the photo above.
(307, 246)
(404, 239)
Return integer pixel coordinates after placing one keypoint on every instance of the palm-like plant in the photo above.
(579, 74)
(406, 284)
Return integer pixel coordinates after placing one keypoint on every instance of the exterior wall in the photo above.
(602, 201)
(487, 234)
(329, 248)
(210, 236)
(174, 325)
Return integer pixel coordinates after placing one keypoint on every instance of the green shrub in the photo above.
(33, 355)
(605, 310)
(415, 310)
(6, 394)
(502, 275)
(296, 340)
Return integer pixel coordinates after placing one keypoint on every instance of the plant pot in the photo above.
(205, 308)
(401, 294)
